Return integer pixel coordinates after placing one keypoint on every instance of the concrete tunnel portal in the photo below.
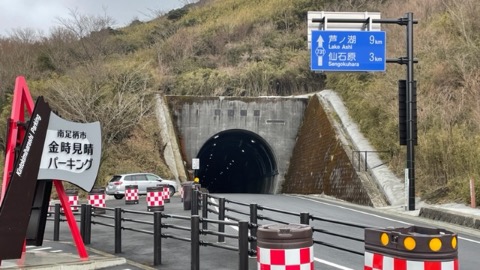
(237, 161)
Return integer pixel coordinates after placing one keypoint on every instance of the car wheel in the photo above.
(118, 197)
(172, 190)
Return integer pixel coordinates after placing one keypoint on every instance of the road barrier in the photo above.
(166, 193)
(411, 248)
(72, 199)
(131, 194)
(437, 246)
(252, 211)
(89, 217)
(96, 198)
(155, 199)
(283, 246)
(188, 188)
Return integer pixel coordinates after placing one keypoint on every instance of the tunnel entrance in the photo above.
(237, 161)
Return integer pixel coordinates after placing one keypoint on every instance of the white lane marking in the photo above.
(332, 264)
(469, 240)
(378, 216)
(44, 248)
(226, 219)
(315, 258)
(34, 248)
(354, 210)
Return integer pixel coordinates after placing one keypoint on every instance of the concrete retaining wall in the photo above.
(319, 163)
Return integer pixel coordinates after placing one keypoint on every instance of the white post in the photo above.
(472, 193)
(407, 187)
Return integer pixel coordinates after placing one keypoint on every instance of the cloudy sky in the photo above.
(42, 14)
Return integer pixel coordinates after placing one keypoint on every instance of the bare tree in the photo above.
(90, 31)
(117, 97)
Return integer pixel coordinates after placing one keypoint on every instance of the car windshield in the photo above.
(115, 178)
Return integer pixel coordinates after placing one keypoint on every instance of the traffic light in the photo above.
(402, 111)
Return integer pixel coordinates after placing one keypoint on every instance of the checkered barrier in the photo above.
(72, 199)
(285, 259)
(410, 248)
(96, 198)
(131, 194)
(166, 194)
(374, 261)
(155, 199)
(285, 247)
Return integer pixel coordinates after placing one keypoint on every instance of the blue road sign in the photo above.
(348, 51)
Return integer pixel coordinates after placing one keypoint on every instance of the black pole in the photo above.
(194, 202)
(304, 218)
(157, 238)
(221, 216)
(253, 222)
(204, 211)
(366, 156)
(243, 245)
(410, 109)
(195, 243)
(88, 224)
(359, 161)
(56, 223)
(83, 208)
(118, 230)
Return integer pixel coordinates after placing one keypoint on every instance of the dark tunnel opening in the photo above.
(236, 161)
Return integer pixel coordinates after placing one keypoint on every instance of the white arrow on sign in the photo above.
(320, 51)
(320, 41)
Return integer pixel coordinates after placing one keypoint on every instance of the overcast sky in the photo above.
(42, 14)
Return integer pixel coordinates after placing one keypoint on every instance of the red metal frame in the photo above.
(23, 102)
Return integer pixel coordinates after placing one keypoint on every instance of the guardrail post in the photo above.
(204, 210)
(82, 221)
(243, 245)
(195, 242)
(253, 229)
(56, 223)
(118, 230)
(304, 218)
(194, 202)
(221, 216)
(365, 161)
(157, 238)
(88, 224)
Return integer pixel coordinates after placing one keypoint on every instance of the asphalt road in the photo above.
(137, 247)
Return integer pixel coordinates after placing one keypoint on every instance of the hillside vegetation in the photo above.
(88, 72)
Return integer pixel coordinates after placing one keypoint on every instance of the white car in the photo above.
(116, 185)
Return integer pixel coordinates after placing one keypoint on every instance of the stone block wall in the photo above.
(319, 163)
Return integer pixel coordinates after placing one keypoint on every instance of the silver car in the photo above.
(116, 186)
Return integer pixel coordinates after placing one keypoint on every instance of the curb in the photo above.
(90, 264)
(83, 265)
(450, 217)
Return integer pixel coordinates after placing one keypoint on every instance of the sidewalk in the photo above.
(61, 255)
(452, 213)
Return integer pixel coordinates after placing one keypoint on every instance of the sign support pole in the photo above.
(411, 105)
(77, 238)
(23, 102)
(410, 120)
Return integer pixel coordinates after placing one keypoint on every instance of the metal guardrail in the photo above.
(360, 158)
(246, 237)
(253, 213)
(89, 217)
